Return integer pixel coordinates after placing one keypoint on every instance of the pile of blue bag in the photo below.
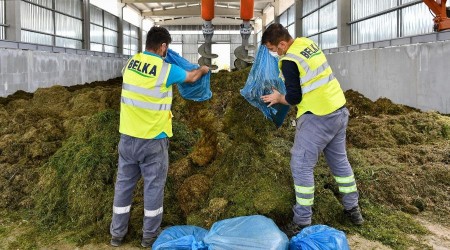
(243, 233)
(249, 233)
(197, 91)
(264, 76)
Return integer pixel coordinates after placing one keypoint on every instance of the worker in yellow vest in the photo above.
(145, 126)
(321, 122)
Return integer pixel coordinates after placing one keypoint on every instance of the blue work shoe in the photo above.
(116, 241)
(354, 215)
(293, 229)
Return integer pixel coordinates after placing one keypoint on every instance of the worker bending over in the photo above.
(321, 122)
(145, 126)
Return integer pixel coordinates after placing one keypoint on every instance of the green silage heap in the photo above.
(59, 158)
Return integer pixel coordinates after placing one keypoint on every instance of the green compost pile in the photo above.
(58, 155)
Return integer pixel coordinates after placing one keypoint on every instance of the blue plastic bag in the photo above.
(246, 233)
(197, 91)
(264, 76)
(181, 238)
(319, 237)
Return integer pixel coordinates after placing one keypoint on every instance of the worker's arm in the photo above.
(194, 75)
(293, 89)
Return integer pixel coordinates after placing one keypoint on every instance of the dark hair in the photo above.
(274, 34)
(157, 36)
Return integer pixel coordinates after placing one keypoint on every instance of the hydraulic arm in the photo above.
(207, 9)
(243, 59)
(441, 20)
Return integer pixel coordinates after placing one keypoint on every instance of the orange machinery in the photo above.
(441, 20)
(206, 56)
(243, 59)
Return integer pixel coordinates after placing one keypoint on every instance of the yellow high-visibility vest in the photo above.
(146, 101)
(321, 92)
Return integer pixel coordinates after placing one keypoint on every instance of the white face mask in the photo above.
(274, 54)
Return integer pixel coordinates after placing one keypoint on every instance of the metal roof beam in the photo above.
(195, 11)
(184, 1)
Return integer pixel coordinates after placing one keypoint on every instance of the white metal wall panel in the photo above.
(416, 20)
(70, 7)
(96, 47)
(46, 3)
(328, 16)
(315, 38)
(68, 27)
(309, 5)
(126, 28)
(190, 48)
(111, 37)
(363, 8)
(126, 42)
(110, 49)
(133, 31)
(110, 21)
(96, 34)
(291, 15)
(96, 15)
(177, 38)
(378, 28)
(284, 19)
(328, 39)
(32, 37)
(36, 18)
(68, 43)
(189, 39)
(291, 29)
(134, 45)
(310, 24)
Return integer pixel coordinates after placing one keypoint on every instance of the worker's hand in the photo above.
(204, 69)
(273, 98)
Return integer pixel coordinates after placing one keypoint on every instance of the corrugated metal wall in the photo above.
(287, 19)
(104, 30)
(319, 22)
(41, 24)
(2, 19)
(409, 21)
(130, 39)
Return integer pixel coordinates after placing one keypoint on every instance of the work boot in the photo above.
(293, 229)
(116, 241)
(148, 241)
(354, 215)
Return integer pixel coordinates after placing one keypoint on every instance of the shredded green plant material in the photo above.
(59, 159)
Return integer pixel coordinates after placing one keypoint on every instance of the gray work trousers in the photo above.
(149, 158)
(313, 135)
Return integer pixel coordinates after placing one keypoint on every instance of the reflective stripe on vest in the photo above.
(155, 92)
(310, 74)
(145, 105)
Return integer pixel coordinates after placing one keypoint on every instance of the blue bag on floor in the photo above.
(264, 76)
(246, 233)
(181, 238)
(319, 237)
(197, 91)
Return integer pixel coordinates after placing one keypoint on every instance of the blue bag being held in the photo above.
(197, 91)
(319, 237)
(264, 76)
